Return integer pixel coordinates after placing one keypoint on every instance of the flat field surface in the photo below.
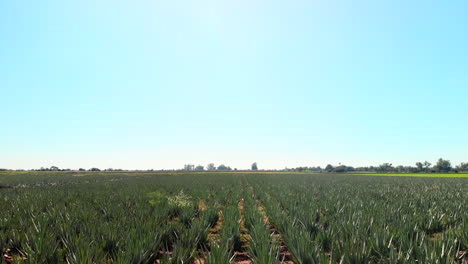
(210, 217)
(436, 175)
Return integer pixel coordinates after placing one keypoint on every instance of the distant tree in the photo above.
(329, 168)
(340, 169)
(427, 165)
(81, 169)
(300, 169)
(462, 167)
(94, 169)
(363, 169)
(199, 168)
(419, 166)
(443, 165)
(211, 167)
(254, 166)
(54, 168)
(400, 169)
(223, 167)
(189, 167)
(314, 168)
(385, 167)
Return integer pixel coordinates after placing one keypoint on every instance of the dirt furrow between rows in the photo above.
(213, 236)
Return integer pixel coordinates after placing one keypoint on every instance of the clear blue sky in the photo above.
(160, 83)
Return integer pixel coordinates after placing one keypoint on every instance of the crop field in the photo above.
(437, 175)
(210, 217)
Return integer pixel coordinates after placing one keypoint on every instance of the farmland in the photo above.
(437, 175)
(210, 217)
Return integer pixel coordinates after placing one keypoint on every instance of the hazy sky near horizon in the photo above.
(160, 83)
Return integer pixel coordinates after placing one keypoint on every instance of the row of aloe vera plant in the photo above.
(362, 219)
(224, 246)
(140, 219)
(263, 247)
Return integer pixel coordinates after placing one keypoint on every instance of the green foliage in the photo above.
(180, 200)
(363, 219)
(443, 165)
(138, 218)
(157, 198)
(263, 249)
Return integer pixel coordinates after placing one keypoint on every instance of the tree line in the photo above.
(212, 167)
(440, 166)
